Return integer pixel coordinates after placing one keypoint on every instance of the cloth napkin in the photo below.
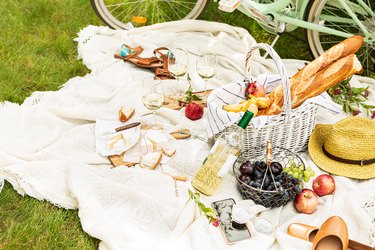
(105, 135)
(219, 119)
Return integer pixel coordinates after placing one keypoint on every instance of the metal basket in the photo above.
(267, 198)
(290, 129)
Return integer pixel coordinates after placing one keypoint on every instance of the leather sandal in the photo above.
(309, 233)
(150, 62)
(163, 72)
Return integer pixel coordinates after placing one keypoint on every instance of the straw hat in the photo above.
(346, 148)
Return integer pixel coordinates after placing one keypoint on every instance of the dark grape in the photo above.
(266, 182)
(276, 168)
(247, 168)
(257, 174)
(284, 174)
(289, 177)
(277, 184)
(277, 178)
(251, 183)
(295, 181)
(245, 178)
(296, 189)
(286, 194)
(263, 165)
(257, 164)
(290, 185)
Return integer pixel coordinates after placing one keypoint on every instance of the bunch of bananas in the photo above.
(260, 102)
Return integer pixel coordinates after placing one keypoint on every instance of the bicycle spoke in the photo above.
(174, 10)
(181, 2)
(182, 6)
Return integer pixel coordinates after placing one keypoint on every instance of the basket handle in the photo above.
(280, 67)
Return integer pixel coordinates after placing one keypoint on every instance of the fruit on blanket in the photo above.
(306, 202)
(255, 89)
(324, 184)
(194, 111)
(125, 113)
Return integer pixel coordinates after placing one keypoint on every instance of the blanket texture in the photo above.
(47, 149)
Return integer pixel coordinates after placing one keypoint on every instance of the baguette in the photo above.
(307, 75)
(315, 85)
(125, 113)
(343, 49)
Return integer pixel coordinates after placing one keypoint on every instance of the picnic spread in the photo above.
(95, 146)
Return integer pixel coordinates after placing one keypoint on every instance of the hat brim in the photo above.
(316, 141)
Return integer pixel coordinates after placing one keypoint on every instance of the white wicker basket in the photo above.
(290, 129)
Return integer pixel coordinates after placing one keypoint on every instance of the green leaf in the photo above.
(196, 98)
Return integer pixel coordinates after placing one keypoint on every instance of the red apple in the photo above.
(255, 89)
(324, 184)
(306, 202)
(193, 111)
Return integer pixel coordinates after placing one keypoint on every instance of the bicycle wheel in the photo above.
(118, 13)
(331, 14)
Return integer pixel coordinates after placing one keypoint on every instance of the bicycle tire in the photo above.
(118, 22)
(312, 13)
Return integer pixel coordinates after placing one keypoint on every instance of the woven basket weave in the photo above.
(290, 129)
(262, 197)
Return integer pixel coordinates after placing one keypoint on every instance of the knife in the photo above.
(122, 128)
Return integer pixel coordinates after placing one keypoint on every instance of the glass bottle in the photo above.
(222, 156)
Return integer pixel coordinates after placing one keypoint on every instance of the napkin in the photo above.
(109, 142)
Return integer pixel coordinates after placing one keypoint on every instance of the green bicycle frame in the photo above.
(273, 10)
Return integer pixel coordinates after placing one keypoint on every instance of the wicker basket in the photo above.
(262, 197)
(291, 129)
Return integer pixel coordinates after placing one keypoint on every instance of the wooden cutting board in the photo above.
(177, 101)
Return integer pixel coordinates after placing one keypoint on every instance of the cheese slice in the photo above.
(151, 160)
(153, 140)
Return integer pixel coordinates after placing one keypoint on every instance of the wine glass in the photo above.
(206, 67)
(178, 61)
(152, 95)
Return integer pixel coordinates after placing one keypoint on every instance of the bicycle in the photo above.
(327, 22)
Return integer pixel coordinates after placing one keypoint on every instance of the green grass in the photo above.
(38, 54)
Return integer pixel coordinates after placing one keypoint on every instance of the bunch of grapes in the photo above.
(298, 171)
(256, 176)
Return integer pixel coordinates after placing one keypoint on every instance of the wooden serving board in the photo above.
(177, 102)
(117, 161)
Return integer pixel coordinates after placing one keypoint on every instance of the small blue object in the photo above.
(125, 51)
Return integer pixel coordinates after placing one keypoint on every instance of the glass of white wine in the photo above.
(206, 67)
(178, 61)
(152, 95)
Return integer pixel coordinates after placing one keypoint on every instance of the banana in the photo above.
(241, 107)
(261, 102)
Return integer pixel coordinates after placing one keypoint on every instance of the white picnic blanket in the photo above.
(47, 149)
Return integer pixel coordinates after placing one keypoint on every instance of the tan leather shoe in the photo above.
(302, 231)
(308, 233)
(333, 234)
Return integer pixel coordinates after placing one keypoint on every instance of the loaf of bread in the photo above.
(335, 65)
(125, 113)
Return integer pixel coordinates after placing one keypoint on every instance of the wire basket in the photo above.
(275, 198)
(291, 129)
